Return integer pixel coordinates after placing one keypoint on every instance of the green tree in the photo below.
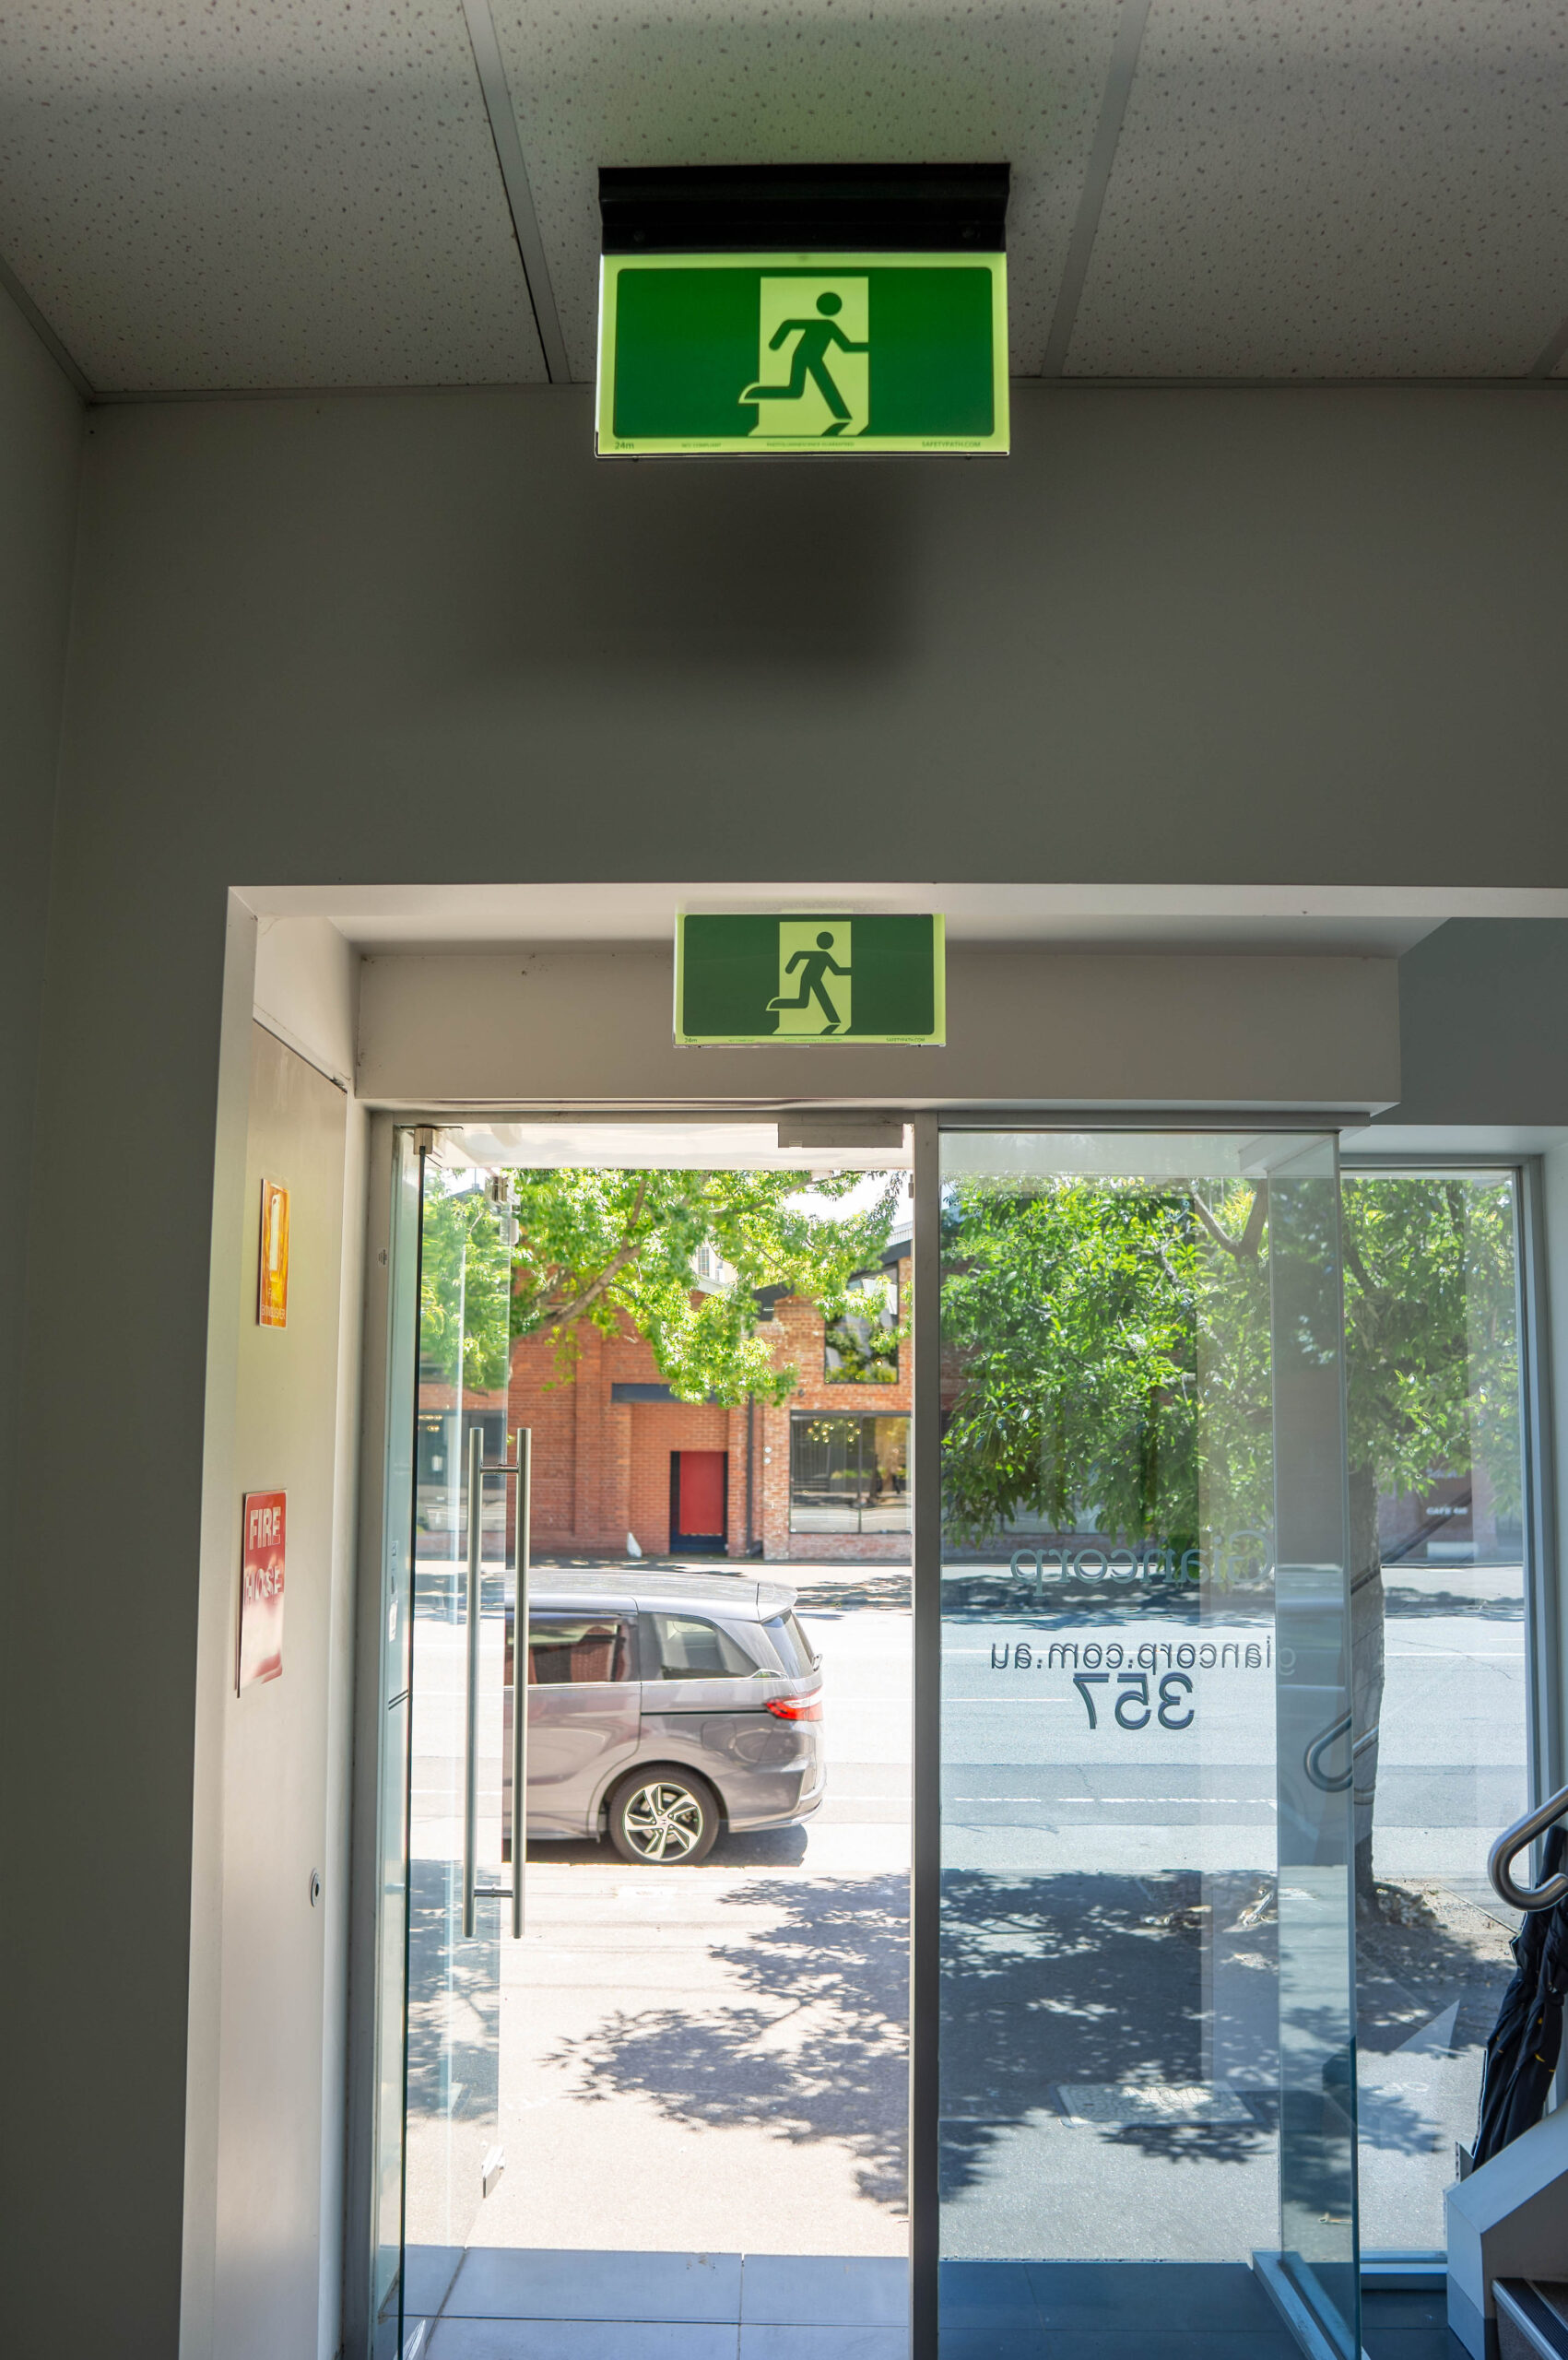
(1112, 1338)
(618, 1248)
(464, 1285)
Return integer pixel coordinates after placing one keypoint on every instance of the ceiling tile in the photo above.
(280, 194)
(1331, 188)
(806, 81)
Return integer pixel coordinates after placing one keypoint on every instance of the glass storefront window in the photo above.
(1438, 1605)
(848, 1474)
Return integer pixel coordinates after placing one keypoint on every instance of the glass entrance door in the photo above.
(1146, 2051)
(445, 1879)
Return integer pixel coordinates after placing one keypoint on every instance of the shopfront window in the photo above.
(848, 1474)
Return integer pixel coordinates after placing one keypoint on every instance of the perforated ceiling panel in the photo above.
(1335, 188)
(202, 194)
(278, 193)
(683, 82)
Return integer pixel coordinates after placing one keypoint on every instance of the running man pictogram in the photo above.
(813, 966)
(816, 333)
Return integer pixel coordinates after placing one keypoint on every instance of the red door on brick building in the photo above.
(698, 1488)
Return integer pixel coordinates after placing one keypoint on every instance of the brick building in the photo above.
(823, 1475)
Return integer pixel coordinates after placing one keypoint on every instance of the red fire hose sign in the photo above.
(260, 1587)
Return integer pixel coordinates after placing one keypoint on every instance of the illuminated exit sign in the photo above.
(826, 354)
(810, 977)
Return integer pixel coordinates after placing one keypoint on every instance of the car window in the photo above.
(791, 1646)
(568, 1651)
(688, 1648)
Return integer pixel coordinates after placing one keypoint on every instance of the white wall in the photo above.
(264, 2188)
(1246, 638)
(267, 2190)
(1024, 1027)
(307, 981)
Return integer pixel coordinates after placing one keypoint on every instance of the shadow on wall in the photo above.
(752, 565)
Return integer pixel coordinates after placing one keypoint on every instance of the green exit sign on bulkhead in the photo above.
(809, 977)
(802, 353)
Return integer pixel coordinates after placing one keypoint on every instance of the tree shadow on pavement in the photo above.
(1047, 1981)
(1426, 1949)
(1077, 1978)
(1448, 1605)
(817, 2049)
(858, 1589)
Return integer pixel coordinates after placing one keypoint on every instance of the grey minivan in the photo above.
(665, 1705)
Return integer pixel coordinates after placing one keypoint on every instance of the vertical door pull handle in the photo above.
(520, 1676)
(471, 1721)
(477, 1471)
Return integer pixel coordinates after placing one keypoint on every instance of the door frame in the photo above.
(928, 1121)
(368, 1650)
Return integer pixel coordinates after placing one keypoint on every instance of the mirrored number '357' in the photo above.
(1135, 1709)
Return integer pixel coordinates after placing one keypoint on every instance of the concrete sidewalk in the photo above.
(715, 2059)
(579, 2305)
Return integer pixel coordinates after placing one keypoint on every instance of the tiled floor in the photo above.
(1090, 2310)
(1408, 2327)
(507, 2304)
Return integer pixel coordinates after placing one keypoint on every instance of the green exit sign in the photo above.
(809, 977)
(818, 353)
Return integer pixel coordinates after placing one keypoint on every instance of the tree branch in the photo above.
(1352, 1257)
(561, 1313)
(1244, 1248)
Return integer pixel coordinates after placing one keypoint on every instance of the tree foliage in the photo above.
(1111, 1344)
(1432, 1337)
(1110, 1341)
(620, 1250)
(464, 1284)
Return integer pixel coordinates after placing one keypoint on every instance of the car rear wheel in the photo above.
(664, 1817)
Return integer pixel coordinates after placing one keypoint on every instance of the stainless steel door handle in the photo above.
(1512, 1842)
(477, 1471)
(471, 1719)
(520, 1675)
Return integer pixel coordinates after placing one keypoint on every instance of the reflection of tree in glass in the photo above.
(1433, 1379)
(1110, 1339)
(863, 1347)
(1109, 1348)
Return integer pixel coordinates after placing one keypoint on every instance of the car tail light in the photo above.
(797, 1709)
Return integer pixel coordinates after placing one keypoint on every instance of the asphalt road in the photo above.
(715, 2059)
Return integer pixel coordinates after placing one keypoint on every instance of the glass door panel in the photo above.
(457, 1650)
(1440, 1602)
(1146, 2051)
